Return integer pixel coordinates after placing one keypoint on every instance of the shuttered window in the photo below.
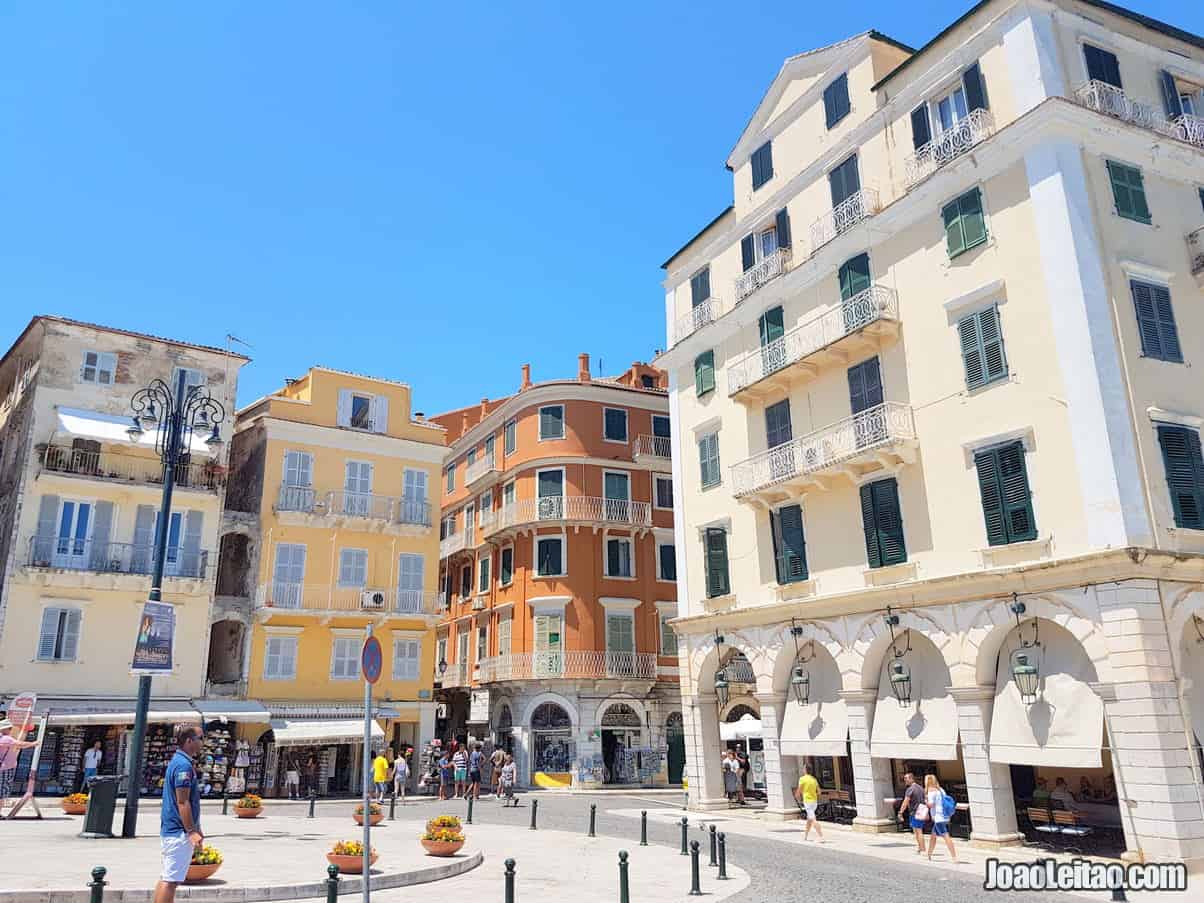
(854, 276)
(506, 566)
(836, 100)
(762, 165)
(883, 523)
(1184, 474)
(664, 492)
(615, 424)
(353, 567)
(666, 561)
(483, 575)
(451, 477)
(789, 544)
(700, 286)
(510, 437)
(844, 181)
(777, 424)
(965, 225)
(1128, 192)
(466, 581)
(704, 373)
(280, 658)
(921, 127)
(406, 656)
(708, 460)
(1007, 505)
(618, 558)
(551, 422)
(668, 637)
(1101, 65)
(1156, 322)
(549, 556)
(865, 386)
(345, 658)
(982, 347)
(718, 583)
(58, 640)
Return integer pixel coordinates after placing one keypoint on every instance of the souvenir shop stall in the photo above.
(327, 755)
(226, 761)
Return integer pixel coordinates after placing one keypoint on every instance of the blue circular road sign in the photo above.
(372, 660)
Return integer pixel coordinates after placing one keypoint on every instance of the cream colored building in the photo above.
(934, 363)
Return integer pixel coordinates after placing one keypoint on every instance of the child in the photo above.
(509, 777)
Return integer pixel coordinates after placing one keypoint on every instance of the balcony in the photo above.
(1195, 250)
(580, 510)
(335, 508)
(305, 597)
(766, 270)
(652, 448)
(456, 675)
(1112, 101)
(65, 553)
(863, 322)
(881, 438)
(450, 545)
(699, 316)
(481, 473)
(119, 468)
(950, 145)
(591, 665)
(856, 207)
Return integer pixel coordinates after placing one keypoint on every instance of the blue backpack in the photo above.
(948, 805)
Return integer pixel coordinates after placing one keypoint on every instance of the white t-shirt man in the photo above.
(92, 758)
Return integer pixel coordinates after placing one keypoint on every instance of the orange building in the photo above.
(557, 577)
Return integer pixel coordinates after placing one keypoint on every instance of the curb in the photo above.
(224, 894)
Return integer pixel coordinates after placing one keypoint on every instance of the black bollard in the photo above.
(470, 810)
(685, 827)
(624, 892)
(713, 861)
(98, 883)
(1118, 893)
(722, 876)
(332, 883)
(534, 812)
(393, 806)
(313, 799)
(695, 877)
(593, 815)
(509, 881)
(226, 797)
(644, 828)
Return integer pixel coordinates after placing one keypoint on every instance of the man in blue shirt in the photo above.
(180, 817)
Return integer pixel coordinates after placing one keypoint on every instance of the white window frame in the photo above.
(449, 474)
(421, 481)
(472, 579)
(484, 506)
(664, 417)
(760, 238)
(351, 397)
(507, 547)
(626, 474)
(505, 635)
(344, 651)
(482, 645)
(60, 637)
(548, 407)
(624, 614)
(564, 557)
(656, 478)
(305, 467)
(660, 544)
(626, 426)
(412, 663)
(509, 489)
(934, 105)
(193, 377)
(342, 552)
(102, 357)
(484, 574)
(618, 537)
(290, 638)
(662, 620)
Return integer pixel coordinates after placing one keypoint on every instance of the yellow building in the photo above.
(340, 477)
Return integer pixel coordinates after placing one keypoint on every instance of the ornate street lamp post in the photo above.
(175, 415)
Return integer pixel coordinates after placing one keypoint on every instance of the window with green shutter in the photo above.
(1007, 504)
(883, 523)
(762, 165)
(1156, 322)
(704, 373)
(551, 422)
(789, 544)
(965, 225)
(982, 347)
(718, 583)
(836, 100)
(1184, 474)
(708, 459)
(1128, 192)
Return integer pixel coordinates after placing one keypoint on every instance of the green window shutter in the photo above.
(700, 286)
(1156, 322)
(1128, 191)
(965, 223)
(890, 522)
(704, 372)
(716, 556)
(987, 464)
(1184, 474)
(708, 459)
(982, 347)
(868, 522)
(789, 543)
(1017, 499)
(967, 330)
(854, 276)
(955, 241)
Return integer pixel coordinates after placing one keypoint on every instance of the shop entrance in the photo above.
(675, 736)
(621, 730)
(552, 747)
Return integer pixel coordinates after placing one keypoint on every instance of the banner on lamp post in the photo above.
(156, 637)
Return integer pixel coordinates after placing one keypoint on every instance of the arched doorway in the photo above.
(552, 747)
(504, 732)
(675, 735)
(234, 565)
(621, 731)
(225, 652)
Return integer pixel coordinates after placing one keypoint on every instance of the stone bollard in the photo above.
(470, 810)
(332, 883)
(685, 838)
(722, 876)
(644, 828)
(98, 883)
(593, 815)
(534, 812)
(313, 799)
(713, 861)
(624, 891)
(695, 877)
(509, 881)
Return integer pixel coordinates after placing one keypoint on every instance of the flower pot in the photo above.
(376, 819)
(247, 813)
(200, 872)
(75, 808)
(349, 865)
(442, 847)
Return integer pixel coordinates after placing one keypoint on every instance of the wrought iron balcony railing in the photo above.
(70, 554)
(1113, 101)
(588, 665)
(652, 447)
(825, 449)
(413, 510)
(949, 145)
(129, 468)
(699, 316)
(360, 504)
(856, 207)
(291, 596)
(769, 268)
(875, 303)
(580, 508)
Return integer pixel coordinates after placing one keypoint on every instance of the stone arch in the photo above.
(620, 714)
(861, 663)
(559, 700)
(707, 656)
(226, 641)
(1182, 607)
(1189, 643)
(631, 702)
(737, 706)
(815, 639)
(503, 717)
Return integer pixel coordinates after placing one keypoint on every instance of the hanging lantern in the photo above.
(800, 682)
(722, 692)
(1026, 674)
(135, 431)
(900, 681)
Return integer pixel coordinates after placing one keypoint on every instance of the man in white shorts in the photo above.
(180, 817)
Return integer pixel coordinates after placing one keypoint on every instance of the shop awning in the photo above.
(112, 428)
(316, 733)
(925, 728)
(246, 710)
(815, 729)
(120, 711)
(747, 728)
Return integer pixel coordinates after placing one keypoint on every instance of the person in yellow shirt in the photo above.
(807, 794)
(380, 775)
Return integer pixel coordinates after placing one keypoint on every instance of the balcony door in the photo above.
(865, 394)
(778, 436)
(549, 490)
(771, 326)
(288, 575)
(357, 488)
(297, 493)
(844, 181)
(410, 579)
(462, 650)
(620, 645)
(617, 488)
(173, 563)
(854, 276)
(74, 533)
(549, 649)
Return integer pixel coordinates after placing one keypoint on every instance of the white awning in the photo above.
(317, 733)
(815, 729)
(246, 710)
(1064, 727)
(115, 712)
(747, 728)
(112, 428)
(925, 728)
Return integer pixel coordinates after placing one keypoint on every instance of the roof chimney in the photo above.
(464, 421)
(526, 378)
(583, 368)
(484, 407)
(420, 416)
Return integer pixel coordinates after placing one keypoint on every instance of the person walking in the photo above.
(913, 799)
(311, 775)
(10, 749)
(940, 809)
(476, 759)
(745, 768)
(731, 777)
(180, 814)
(507, 777)
(807, 793)
(460, 764)
(446, 773)
(498, 761)
(380, 775)
(292, 779)
(92, 759)
(401, 775)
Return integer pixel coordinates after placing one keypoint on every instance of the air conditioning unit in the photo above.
(372, 598)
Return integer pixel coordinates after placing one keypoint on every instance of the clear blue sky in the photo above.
(429, 192)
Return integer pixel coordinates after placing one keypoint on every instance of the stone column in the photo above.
(704, 772)
(522, 753)
(780, 776)
(988, 784)
(871, 777)
(589, 751)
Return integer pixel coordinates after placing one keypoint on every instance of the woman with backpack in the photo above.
(941, 807)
